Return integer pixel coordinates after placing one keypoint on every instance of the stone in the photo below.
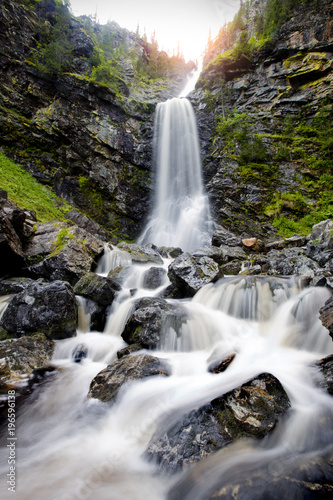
(253, 244)
(97, 288)
(106, 384)
(142, 254)
(251, 410)
(326, 367)
(14, 285)
(216, 365)
(189, 273)
(48, 308)
(20, 357)
(326, 315)
(154, 278)
(59, 251)
(223, 237)
(231, 268)
(290, 261)
(151, 320)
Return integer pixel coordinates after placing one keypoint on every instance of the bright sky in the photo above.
(186, 21)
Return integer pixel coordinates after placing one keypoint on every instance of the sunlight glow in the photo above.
(183, 24)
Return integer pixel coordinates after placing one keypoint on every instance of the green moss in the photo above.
(27, 193)
(4, 335)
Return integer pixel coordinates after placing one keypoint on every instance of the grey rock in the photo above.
(97, 288)
(20, 357)
(14, 285)
(142, 254)
(48, 308)
(251, 410)
(290, 261)
(107, 383)
(58, 251)
(189, 273)
(326, 315)
(154, 277)
(151, 320)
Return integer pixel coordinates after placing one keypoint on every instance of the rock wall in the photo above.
(92, 145)
(281, 89)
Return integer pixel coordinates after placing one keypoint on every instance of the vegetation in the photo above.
(307, 142)
(27, 193)
(233, 40)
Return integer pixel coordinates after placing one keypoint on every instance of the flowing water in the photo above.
(70, 447)
(180, 215)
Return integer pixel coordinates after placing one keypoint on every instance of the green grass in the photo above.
(27, 193)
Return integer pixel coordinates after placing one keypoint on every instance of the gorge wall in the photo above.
(265, 118)
(91, 142)
(263, 106)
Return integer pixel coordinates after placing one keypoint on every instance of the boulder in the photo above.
(59, 251)
(232, 253)
(293, 241)
(14, 285)
(284, 477)
(154, 278)
(223, 237)
(326, 367)
(48, 308)
(107, 383)
(87, 224)
(326, 315)
(253, 244)
(251, 410)
(290, 261)
(188, 273)
(231, 268)
(97, 288)
(20, 357)
(142, 254)
(212, 252)
(150, 320)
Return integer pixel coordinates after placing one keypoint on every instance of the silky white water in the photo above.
(72, 447)
(181, 215)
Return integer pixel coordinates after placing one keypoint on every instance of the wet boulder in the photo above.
(20, 357)
(107, 383)
(154, 278)
(223, 237)
(326, 367)
(60, 251)
(251, 410)
(188, 273)
(97, 288)
(151, 320)
(14, 285)
(290, 261)
(326, 315)
(142, 254)
(48, 308)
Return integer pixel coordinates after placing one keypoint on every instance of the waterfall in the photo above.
(181, 215)
(71, 447)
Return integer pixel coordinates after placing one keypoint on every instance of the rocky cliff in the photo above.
(89, 140)
(264, 106)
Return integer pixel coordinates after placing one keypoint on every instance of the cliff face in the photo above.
(89, 142)
(265, 120)
(264, 116)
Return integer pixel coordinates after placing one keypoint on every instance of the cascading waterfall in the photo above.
(181, 215)
(70, 447)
